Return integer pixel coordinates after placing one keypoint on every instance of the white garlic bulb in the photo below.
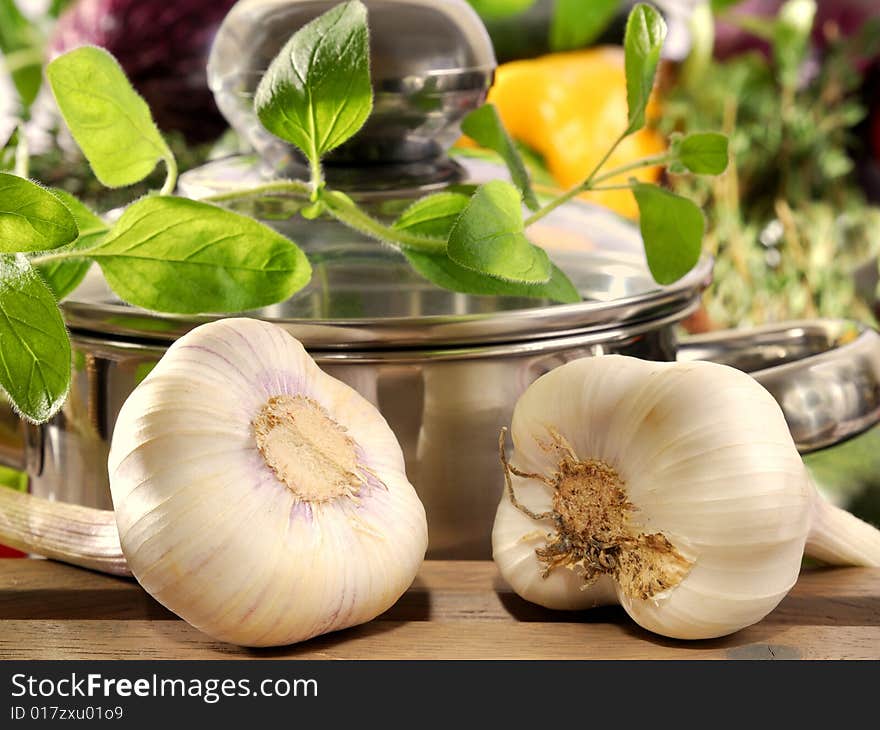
(257, 497)
(674, 489)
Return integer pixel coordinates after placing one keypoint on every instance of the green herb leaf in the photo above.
(62, 276)
(444, 272)
(34, 346)
(576, 23)
(316, 92)
(21, 46)
(435, 215)
(31, 218)
(672, 231)
(642, 42)
(497, 9)
(110, 122)
(489, 237)
(484, 126)
(179, 255)
(703, 153)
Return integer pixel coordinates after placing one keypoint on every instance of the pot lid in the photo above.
(364, 295)
(431, 62)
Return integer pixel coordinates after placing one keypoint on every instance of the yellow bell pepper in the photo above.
(570, 107)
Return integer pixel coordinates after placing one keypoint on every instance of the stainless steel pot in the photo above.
(446, 369)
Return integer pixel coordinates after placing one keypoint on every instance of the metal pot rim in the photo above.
(99, 316)
(611, 335)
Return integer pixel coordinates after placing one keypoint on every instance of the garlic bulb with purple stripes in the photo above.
(674, 489)
(258, 498)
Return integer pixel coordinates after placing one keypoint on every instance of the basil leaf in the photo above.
(21, 46)
(110, 122)
(435, 216)
(316, 92)
(484, 126)
(31, 218)
(642, 42)
(62, 276)
(178, 255)
(672, 231)
(34, 346)
(703, 153)
(489, 237)
(576, 23)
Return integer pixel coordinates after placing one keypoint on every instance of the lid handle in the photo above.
(431, 62)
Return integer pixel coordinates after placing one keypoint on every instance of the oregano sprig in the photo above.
(316, 93)
(163, 253)
(485, 247)
(179, 255)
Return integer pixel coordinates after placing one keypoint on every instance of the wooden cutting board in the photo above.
(454, 610)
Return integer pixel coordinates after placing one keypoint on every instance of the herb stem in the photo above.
(638, 164)
(280, 186)
(70, 253)
(56, 256)
(344, 211)
(21, 59)
(352, 216)
(317, 175)
(585, 185)
(170, 176)
(603, 188)
(608, 153)
(22, 154)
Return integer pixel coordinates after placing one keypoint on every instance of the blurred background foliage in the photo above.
(794, 224)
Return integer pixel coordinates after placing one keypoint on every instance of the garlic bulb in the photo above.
(674, 489)
(257, 497)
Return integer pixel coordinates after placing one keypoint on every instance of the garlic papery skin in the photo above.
(674, 489)
(258, 498)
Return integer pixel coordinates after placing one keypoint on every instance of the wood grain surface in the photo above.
(454, 610)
